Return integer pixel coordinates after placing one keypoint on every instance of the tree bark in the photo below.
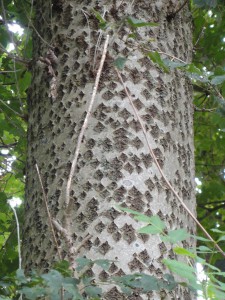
(114, 165)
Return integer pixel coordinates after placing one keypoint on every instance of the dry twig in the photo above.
(81, 135)
(160, 170)
(48, 212)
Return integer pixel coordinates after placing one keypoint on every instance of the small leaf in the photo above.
(149, 283)
(139, 23)
(104, 263)
(93, 291)
(143, 218)
(175, 236)
(205, 3)
(125, 209)
(83, 262)
(217, 230)
(155, 57)
(182, 251)
(102, 23)
(181, 269)
(20, 276)
(204, 249)
(70, 288)
(120, 62)
(173, 64)
(157, 222)
(157, 226)
(218, 79)
(191, 68)
(63, 267)
(53, 279)
(169, 282)
(149, 230)
(200, 238)
(34, 292)
(125, 289)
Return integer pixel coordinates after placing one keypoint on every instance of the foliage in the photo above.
(34, 285)
(207, 73)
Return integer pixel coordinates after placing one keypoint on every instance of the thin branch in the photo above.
(67, 237)
(86, 15)
(198, 109)
(160, 170)
(72, 251)
(48, 212)
(171, 56)
(15, 112)
(81, 135)
(18, 59)
(18, 236)
(173, 14)
(214, 202)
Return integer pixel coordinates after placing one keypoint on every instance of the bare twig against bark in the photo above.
(81, 135)
(72, 251)
(48, 212)
(173, 14)
(160, 170)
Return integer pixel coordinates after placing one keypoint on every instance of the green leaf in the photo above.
(83, 262)
(150, 230)
(173, 64)
(24, 81)
(139, 23)
(217, 230)
(104, 263)
(125, 289)
(102, 22)
(183, 251)
(34, 292)
(63, 267)
(157, 222)
(200, 238)
(3, 196)
(70, 288)
(120, 62)
(206, 3)
(128, 210)
(169, 282)
(221, 238)
(20, 276)
(149, 283)
(181, 269)
(93, 291)
(204, 249)
(218, 79)
(157, 225)
(53, 279)
(143, 218)
(156, 58)
(175, 236)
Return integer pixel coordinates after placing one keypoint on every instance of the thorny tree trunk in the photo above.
(114, 165)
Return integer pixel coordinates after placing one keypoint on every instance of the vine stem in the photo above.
(81, 135)
(161, 171)
(48, 212)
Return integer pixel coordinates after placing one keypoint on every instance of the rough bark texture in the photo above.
(114, 165)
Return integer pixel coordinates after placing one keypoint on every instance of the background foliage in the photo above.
(208, 76)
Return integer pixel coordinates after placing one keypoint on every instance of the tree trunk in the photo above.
(114, 164)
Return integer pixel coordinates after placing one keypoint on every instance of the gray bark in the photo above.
(114, 165)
